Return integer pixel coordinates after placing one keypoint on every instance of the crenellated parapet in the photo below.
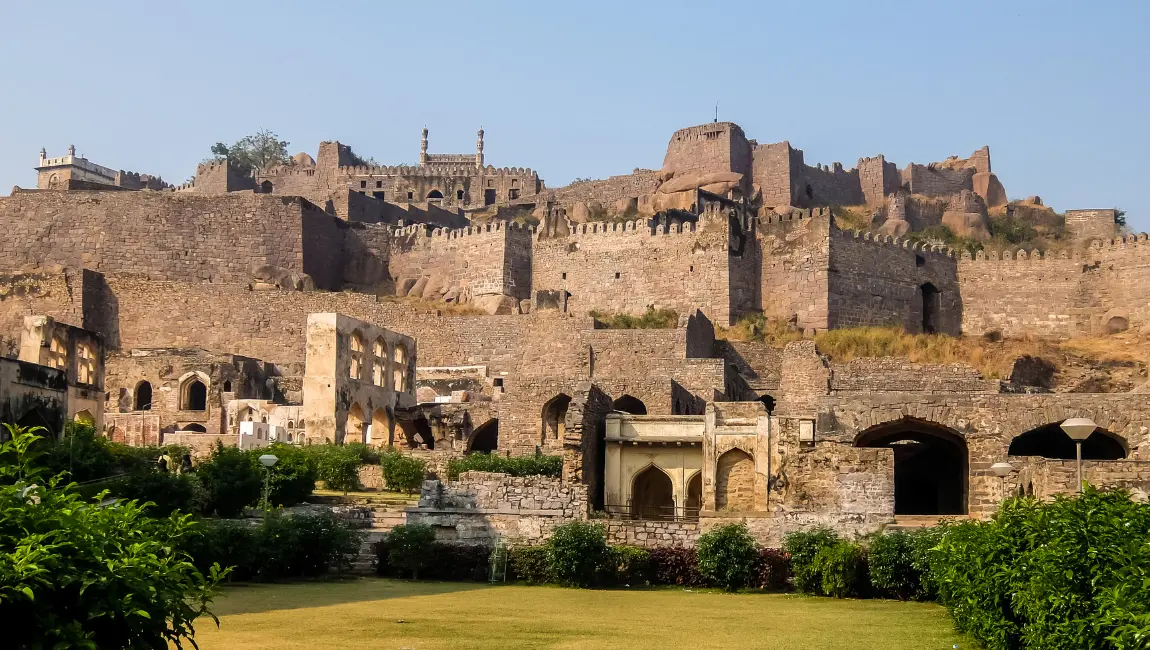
(896, 242)
(1129, 244)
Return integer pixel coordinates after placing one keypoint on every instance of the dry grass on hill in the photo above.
(1106, 364)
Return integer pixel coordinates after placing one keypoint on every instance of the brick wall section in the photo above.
(879, 282)
(58, 295)
(608, 190)
(795, 261)
(714, 147)
(877, 179)
(1057, 293)
(1092, 224)
(490, 259)
(921, 179)
(896, 374)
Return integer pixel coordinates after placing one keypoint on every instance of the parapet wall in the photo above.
(1058, 293)
(607, 191)
(714, 147)
(492, 259)
(937, 181)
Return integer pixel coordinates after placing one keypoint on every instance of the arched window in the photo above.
(629, 404)
(379, 363)
(143, 396)
(291, 424)
(85, 364)
(84, 417)
(652, 496)
(399, 368)
(1050, 441)
(694, 496)
(289, 437)
(58, 353)
(356, 365)
(555, 416)
(194, 428)
(435, 194)
(266, 187)
(194, 396)
(228, 386)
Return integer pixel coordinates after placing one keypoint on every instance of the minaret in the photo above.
(423, 148)
(479, 149)
(72, 150)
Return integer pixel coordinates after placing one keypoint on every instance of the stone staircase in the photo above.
(374, 515)
(915, 522)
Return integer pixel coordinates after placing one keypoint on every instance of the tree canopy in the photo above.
(254, 152)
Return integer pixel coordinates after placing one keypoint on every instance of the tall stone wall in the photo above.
(823, 185)
(625, 268)
(795, 258)
(1092, 224)
(607, 191)
(1058, 294)
(58, 295)
(880, 282)
(493, 259)
(775, 171)
(877, 179)
(715, 147)
(937, 181)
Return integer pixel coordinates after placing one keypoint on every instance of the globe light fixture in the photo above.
(268, 461)
(1001, 470)
(1079, 429)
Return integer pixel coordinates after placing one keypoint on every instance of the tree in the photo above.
(1120, 217)
(254, 152)
(80, 574)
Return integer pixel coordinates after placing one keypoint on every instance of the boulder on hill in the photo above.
(987, 185)
(966, 216)
(690, 180)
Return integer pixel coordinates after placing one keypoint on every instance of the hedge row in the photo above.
(514, 465)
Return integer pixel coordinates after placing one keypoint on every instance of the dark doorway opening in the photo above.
(144, 396)
(486, 437)
(930, 309)
(1050, 441)
(489, 197)
(930, 466)
(768, 402)
(196, 396)
(629, 404)
(652, 496)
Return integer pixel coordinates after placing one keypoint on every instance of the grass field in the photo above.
(388, 615)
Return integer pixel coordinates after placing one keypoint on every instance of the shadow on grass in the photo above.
(253, 598)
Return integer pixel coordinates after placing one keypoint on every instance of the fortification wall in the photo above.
(832, 185)
(877, 179)
(880, 280)
(219, 177)
(627, 267)
(887, 374)
(1092, 224)
(775, 168)
(937, 181)
(181, 237)
(715, 147)
(492, 259)
(58, 295)
(1058, 293)
(795, 258)
(608, 190)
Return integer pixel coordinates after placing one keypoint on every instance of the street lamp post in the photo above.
(1079, 429)
(268, 461)
(1001, 470)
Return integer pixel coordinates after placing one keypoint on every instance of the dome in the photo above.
(301, 159)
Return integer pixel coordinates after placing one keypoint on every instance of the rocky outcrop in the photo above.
(966, 216)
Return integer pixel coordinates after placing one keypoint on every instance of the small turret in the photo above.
(479, 149)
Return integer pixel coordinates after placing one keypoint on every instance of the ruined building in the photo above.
(299, 299)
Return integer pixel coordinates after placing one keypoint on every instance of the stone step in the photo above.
(913, 522)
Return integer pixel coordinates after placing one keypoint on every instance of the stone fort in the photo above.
(450, 307)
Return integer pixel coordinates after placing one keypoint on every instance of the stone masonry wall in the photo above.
(795, 258)
(921, 179)
(608, 190)
(27, 294)
(719, 146)
(481, 260)
(1092, 224)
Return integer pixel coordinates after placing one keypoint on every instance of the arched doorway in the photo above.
(143, 396)
(930, 308)
(434, 195)
(554, 417)
(381, 426)
(485, 438)
(652, 495)
(266, 187)
(694, 496)
(84, 417)
(194, 428)
(356, 429)
(930, 465)
(195, 396)
(629, 404)
(735, 481)
(1050, 441)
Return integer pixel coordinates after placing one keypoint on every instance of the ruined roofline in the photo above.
(1130, 244)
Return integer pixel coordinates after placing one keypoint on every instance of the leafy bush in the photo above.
(772, 570)
(401, 473)
(454, 562)
(161, 493)
(676, 566)
(408, 548)
(802, 547)
(233, 480)
(651, 319)
(292, 479)
(727, 556)
(578, 553)
(631, 564)
(76, 575)
(82, 454)
(515, 466)
(1066, 574)
(368, 455)
(339, 467)
(531, 564)
(842, 569)
(898, 564)
(280, 547)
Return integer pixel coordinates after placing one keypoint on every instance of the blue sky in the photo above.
(1059, 90)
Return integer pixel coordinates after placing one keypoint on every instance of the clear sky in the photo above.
(1059, 90)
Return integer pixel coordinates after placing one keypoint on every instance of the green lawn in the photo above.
(390, 614)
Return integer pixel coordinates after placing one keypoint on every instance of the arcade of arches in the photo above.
(930, 466)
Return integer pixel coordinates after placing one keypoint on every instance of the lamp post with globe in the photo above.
(1001, 470)
(268, 461)
(1079, 429)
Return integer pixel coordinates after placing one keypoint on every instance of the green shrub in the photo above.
(841, 568)
(898, 564)
(578, 554)
(228, 543)
(160, 493)
(368, 455)
(631, 564)
(651, 319)
(233, 479)
(515, 466)
(77, 575)
(531, 564)
(409, 547)
(727, 556)
(802, 547)
(454, 562)
(338, 467)
(676, 566)
(292, 479)
(401, 473)
(80, 453)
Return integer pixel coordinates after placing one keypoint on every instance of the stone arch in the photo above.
(931, 308)
(194, 427)
(228, 386)
(381, 427)
(1117, 324)
(694, 501)
(735, 481)
(1050, 441)
(485, 437)
(629, 404)
(554, 417)
(435, 194)
(399, 368)
(194, 393)
(143, 397)
(930, 465)
(652, 494)
(266, 187)
(356, 429)
(84, 417)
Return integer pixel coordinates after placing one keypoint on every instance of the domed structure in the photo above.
(301, 159)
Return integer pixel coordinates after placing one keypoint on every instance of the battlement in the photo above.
(495, 227)
(705, 131)
(897, 242)
(1136, 243)
(413, 170)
